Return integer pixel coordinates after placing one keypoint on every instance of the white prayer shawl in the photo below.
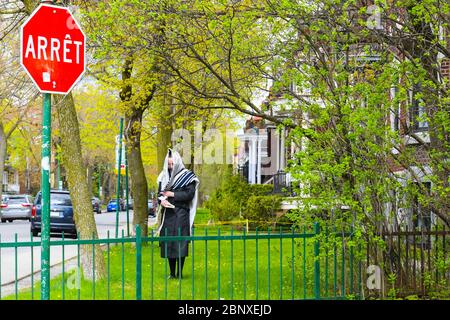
(167, 182)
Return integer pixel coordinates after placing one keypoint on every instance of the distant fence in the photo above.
(309, 263)
(415, 262)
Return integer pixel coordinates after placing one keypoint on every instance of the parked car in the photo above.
(3, 200)
(96, 205)
(16, 207)
(112, 205)
(130, 203)
(61, 213)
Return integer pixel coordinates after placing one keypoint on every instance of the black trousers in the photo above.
(177, 263)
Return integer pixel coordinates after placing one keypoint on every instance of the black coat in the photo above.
(176, 222)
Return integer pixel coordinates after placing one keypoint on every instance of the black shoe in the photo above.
(172, 277)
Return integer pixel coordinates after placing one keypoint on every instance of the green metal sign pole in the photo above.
(118, 179)
(126, 192)
(45, 188)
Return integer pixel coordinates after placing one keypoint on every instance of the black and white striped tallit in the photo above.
(183, 178)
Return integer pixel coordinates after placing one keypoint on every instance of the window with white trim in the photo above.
(418, 116)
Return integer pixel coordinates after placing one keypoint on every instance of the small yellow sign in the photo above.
(122, 171)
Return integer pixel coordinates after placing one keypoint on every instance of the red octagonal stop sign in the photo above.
(52, 49)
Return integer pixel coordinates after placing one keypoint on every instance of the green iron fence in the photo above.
(307, 263)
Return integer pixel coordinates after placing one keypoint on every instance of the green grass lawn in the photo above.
(213, 270)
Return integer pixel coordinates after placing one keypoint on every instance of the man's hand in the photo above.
(166, 204)
(168, 194)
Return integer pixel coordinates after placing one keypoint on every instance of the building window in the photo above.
(421, 215)
(418, 114)
(264, 144)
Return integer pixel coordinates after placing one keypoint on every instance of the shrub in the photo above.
(260, 209)
(225, 203)
(235, 197)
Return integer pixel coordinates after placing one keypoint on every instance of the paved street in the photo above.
(105, 222)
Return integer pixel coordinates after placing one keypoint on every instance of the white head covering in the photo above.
(167, 181)
(164, 177)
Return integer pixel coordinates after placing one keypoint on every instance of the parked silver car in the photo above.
(16, 207)
(3, 200)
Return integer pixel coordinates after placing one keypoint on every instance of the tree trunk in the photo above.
(164, 137)
(139, 189)
(133, 126)
(90, 174)
(76, 178)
